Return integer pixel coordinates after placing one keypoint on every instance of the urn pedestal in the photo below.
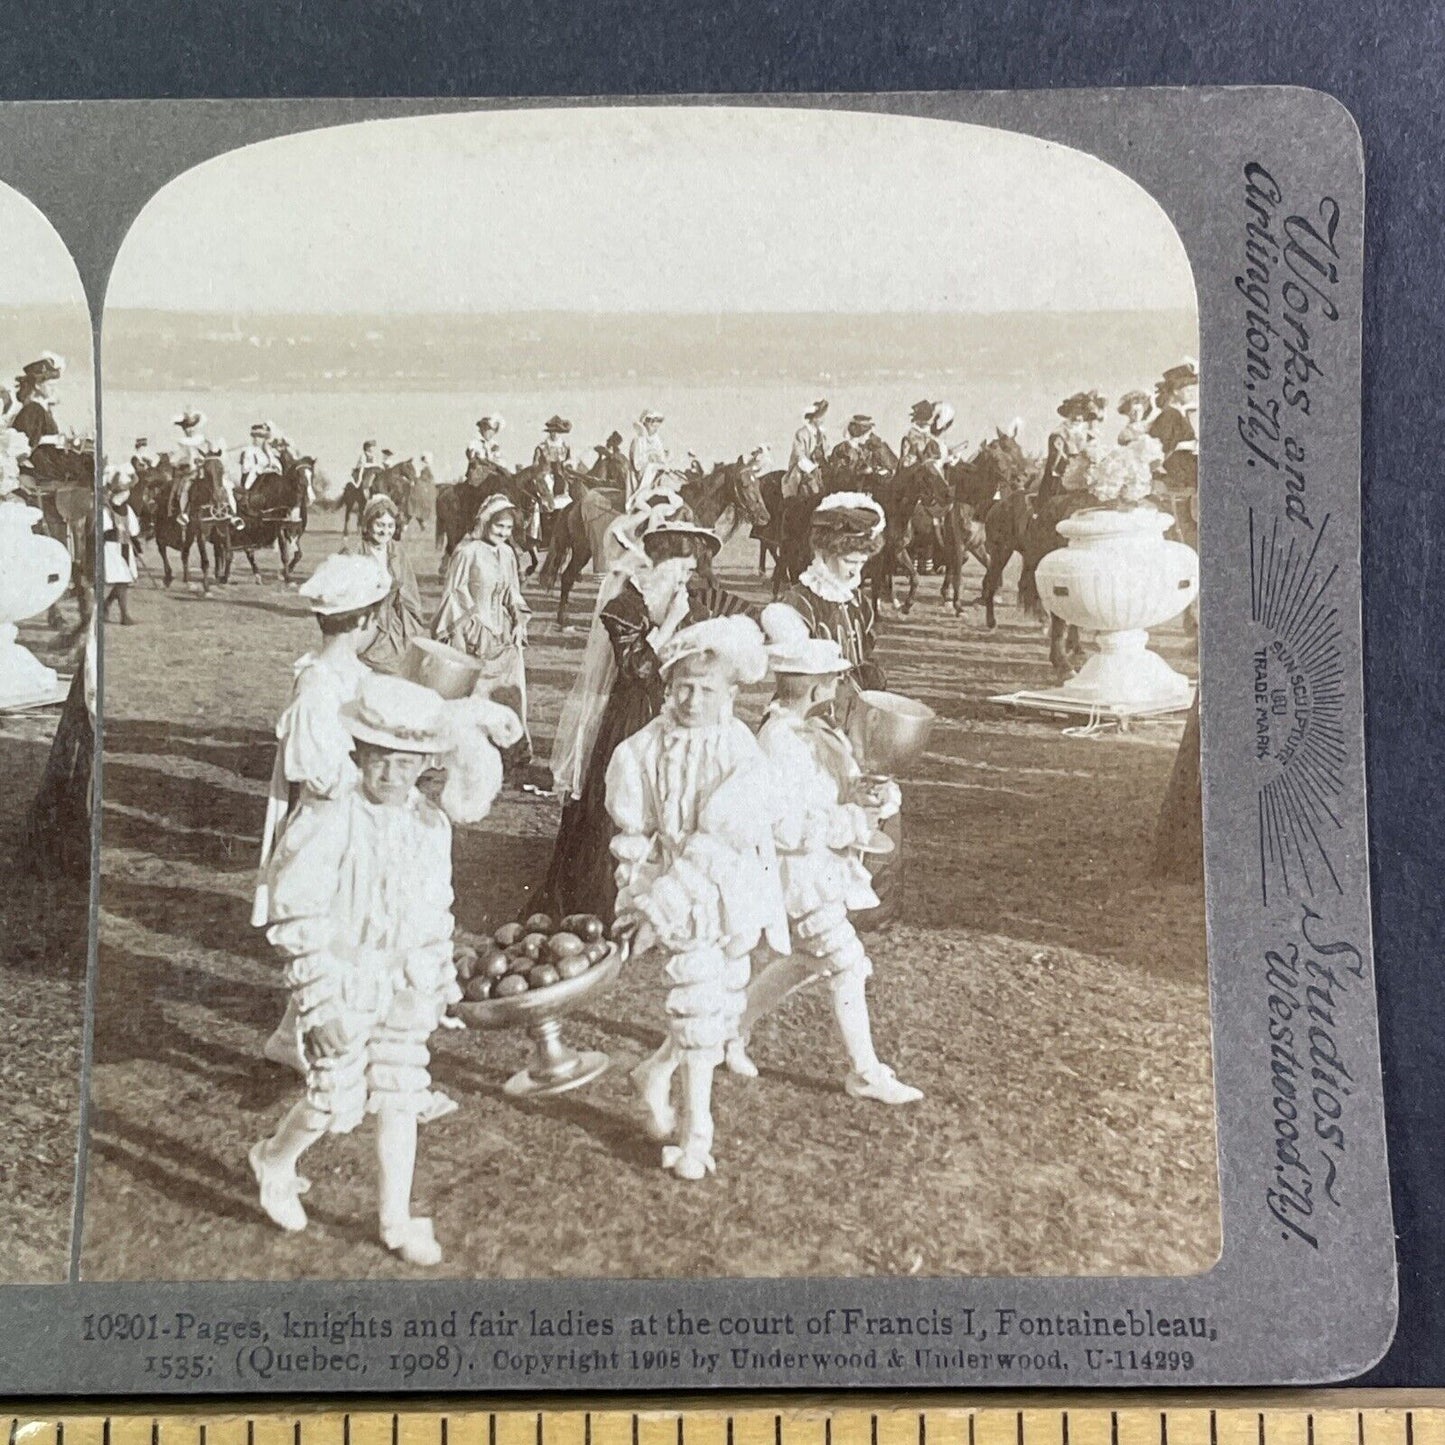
(1117, 578)
(34, 574)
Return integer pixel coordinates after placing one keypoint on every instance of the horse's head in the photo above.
(1004, 458)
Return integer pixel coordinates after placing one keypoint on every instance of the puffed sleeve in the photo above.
(628, 628)
(627, 805)
(799, 823)
(315, 746)
(302, 880)
(428, 966)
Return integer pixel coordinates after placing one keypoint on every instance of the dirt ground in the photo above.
(1049, 999)
(43, 942)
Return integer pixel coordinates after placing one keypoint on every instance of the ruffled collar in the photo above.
(817, 579)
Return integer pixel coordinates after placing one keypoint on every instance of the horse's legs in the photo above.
(998, 558)
(576, 565)
(204, 554)
(165, 562)
(255, 570)
(906, 557)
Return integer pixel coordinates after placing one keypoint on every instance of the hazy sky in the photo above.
(687, 209)
(35, 266)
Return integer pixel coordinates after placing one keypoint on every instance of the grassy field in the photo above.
(1049, 998)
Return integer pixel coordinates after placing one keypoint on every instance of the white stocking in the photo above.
(396, 1163)
(850, 1008)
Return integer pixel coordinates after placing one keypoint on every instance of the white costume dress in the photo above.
(120, 528)
(313, 752)
(818, 836)
(361, 903)
(647, 456)
(257, 459)
(810, 447)
(695, 858)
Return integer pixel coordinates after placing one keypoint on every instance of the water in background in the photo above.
(725, 386)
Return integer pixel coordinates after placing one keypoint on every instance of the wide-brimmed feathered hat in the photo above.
(401, 716)
(1083, 406)
(818, 408)
(675, 526)
(942, 419)
(557, 425)
(735, 643)
(346, 584)
(848, 517)
(1186, 373)
(792, 650)
(1134, 398)
(46, 367)
(921, 413)
(491, 423)
(859, 425)
(189, 420)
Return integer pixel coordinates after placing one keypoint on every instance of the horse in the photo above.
(457, 505)
(573, 534)
(187, 507)
(399, 482)
(60, 481)
(274, 512)
(912, 490)
(1027, 525)
(353, 502)
(998, 469)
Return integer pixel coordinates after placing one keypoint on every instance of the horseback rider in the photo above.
(485, 447)
(1082, 413)
(35, 393)
(862, 453)
(810, 451)
(647, 456)
(554, 456)
(142, 459)
(192, 445)
(257, 458)
(1174, 429)
(919, 443)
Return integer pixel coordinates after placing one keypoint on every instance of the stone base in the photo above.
(26, 682)
(52, 696)
(1064, 702)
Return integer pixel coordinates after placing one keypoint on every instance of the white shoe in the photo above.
(281, 1191)
(654, 1088)
(284, 1048)
(882, 1084)
(736, 1058)
(438, 1106)
(414, 1240)
(690, 1162)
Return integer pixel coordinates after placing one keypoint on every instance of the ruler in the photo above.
(1244, 1418)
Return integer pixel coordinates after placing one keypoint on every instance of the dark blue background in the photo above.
(1383, 60)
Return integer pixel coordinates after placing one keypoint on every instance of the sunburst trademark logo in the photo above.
(1297, 700)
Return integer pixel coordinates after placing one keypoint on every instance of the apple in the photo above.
(562, 945)
(508, 934)
(465, 959)
(543, 976)
(540, 923)
(535, 943)
(513, 984)
(493, 965)
(573, 967)
(597, 950)
(477, 989)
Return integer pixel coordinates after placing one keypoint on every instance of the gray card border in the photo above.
(1276, 1309)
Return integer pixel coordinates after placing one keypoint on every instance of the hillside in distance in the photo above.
(158, 351)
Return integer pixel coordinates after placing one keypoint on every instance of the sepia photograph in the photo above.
(650, 713)
(47, 731)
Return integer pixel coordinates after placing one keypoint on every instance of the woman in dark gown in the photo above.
(580, 878)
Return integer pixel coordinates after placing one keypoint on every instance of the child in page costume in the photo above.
(313, 746)
(826, 816)
(360, 890)
(697, 879)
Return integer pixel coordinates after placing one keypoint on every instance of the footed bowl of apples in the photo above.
(530, 976)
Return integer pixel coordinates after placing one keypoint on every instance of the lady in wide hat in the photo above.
(1082, 412)
(401, 616)
(1174, 429)
(483, 612)
(650, 597)
(553, 456)
(35, 393)
(804, 476)
(647, 454)
(845, 532)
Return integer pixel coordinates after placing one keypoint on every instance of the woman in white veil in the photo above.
(654, 551)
